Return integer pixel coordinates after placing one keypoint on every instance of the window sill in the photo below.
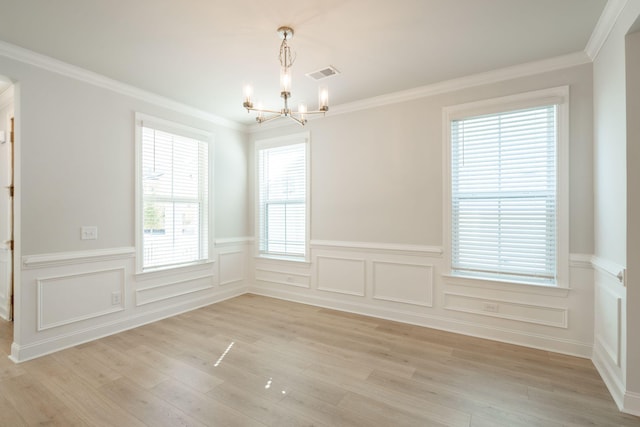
(174, 270)
(520, 287)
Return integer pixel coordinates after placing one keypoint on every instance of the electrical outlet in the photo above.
(89, 232)
(491, 307)
(116, 298)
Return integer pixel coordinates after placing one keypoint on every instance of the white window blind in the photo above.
(503, 195)
(282, 200)
(175, 193)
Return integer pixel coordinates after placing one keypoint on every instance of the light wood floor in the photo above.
(255, 361)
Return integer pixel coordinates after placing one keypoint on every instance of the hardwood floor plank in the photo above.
(78, 395)
(9, 416)
(143, 374)
(201, 407)
(176, 369)
(145, 406)
(37, 405)
(258, 361)
(90, 369)
(376, 412)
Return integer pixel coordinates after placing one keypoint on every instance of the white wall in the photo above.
(377, 224)
(615, 194)
(75, 166)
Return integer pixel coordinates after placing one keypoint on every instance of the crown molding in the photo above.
(50, 64)
(605, 24)
(489, 77)
(480, 79)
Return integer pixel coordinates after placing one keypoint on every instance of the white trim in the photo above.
(22, 353)
(580, 260)
(220, 262)
(280, 141)
(40, 283)
(611, 268)
(233, 241)
(362, 286)
(611, 380)
(564, 324)
(175, 271)
(66, 258)
(50, 64)
(371, 246)
(305, 276)
(139, 292)
(474, 80)
(604, 26)
(631, 403)
(146, 121)
(428, 283)
(474, 329)
(521, 288)
(559, 95)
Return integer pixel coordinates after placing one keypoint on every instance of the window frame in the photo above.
(558, 96)
(144, 120)
(297, 138)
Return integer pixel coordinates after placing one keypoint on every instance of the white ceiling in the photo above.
(202, 52)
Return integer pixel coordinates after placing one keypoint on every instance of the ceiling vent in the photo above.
(323, 73)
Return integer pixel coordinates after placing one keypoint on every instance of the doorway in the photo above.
(7, 132)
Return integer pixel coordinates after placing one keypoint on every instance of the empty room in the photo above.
(328, 213)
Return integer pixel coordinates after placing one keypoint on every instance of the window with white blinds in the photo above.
(282, 197)
(174, 211)
(504, 195)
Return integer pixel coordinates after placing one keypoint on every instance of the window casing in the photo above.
(507, 179)
(173, 204)
(282, 183)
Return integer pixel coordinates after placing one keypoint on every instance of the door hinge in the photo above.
(10, 188)
(10, 244)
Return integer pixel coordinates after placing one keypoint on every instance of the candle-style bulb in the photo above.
(248, 93)
(323, 98)
(285, 81)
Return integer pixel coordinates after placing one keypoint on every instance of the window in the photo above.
(173, 194)
(505, 203)
(282, 205)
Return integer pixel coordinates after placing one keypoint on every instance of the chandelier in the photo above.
(286, 61)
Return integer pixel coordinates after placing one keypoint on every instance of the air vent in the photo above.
(323, 73)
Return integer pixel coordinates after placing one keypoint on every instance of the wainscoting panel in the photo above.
(541, 315)
(74, 297)
(341, 275)
(283, 277)
(231, 267)
(174, 289)
(609, 323)
(403, 282)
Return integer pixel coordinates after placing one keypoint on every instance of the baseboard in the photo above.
(611, 380)
(569, 347)
(40, 348)
(631, 403)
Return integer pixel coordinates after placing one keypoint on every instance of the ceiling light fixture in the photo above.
(286, 61)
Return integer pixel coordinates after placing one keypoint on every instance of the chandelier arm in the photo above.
(268, 119)
(260, 110)
(300, 121)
